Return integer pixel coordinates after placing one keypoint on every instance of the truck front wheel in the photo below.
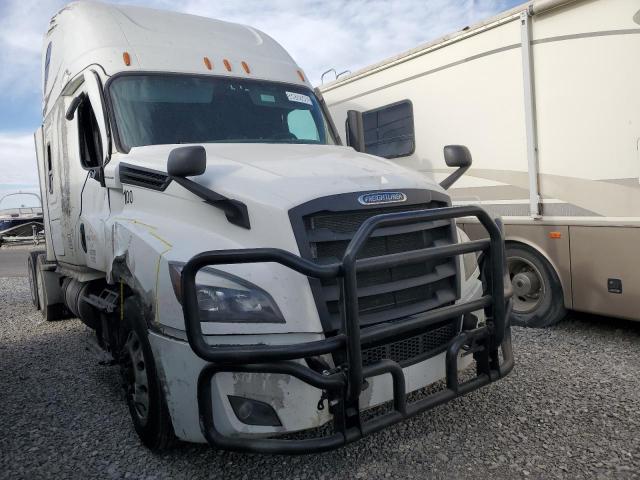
(538, 300)
(142, 386)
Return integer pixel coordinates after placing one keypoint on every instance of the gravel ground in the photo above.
(570, 409)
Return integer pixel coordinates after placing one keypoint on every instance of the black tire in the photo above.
(151, 422)
(32, 260)
(538, 299)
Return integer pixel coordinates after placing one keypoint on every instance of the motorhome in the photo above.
(546, 97)
(252, 276)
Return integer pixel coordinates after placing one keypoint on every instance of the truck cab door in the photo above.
(93, 142)
(94, 136)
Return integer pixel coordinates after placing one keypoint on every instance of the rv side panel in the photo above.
(606, 274)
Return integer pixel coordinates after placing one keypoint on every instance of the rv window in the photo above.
(156, 109)
(388, 131)
(88, 136)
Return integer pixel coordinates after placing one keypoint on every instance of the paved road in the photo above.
(12, 261)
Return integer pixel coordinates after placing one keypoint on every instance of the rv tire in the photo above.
(538, 299)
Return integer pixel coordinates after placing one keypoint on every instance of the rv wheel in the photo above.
(143, 390)
(538, 300)
(32, 275)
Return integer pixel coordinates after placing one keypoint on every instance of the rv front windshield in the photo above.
(158, 109)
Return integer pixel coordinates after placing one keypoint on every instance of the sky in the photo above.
(319, 34)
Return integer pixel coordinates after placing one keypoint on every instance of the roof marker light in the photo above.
(227, 65)
(127, 58)
(245, 67)
(207, 63)
(301, 75)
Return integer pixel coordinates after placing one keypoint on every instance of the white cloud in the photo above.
(346, 35)
(17, 159)
(319, 34)
(23, 24)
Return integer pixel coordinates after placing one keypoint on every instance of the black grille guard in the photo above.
(345, 383)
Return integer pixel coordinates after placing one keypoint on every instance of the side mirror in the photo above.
(355, 130)
(456, 156)
(187, 161)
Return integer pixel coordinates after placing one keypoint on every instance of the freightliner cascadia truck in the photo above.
(251, 276)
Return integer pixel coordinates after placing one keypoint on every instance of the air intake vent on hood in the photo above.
(143, 177)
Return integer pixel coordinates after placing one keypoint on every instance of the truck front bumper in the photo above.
(345, 383)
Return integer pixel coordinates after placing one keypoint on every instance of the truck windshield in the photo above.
(169, 109)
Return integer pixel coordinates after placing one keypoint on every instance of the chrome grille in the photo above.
(390, 293)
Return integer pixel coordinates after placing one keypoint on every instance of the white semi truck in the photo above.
(252, 276)
(546, 96)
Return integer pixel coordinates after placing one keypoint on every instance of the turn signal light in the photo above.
(555, 235)
(127, 58)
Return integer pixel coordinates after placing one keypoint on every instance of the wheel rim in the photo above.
(528, 284)
(136, 377)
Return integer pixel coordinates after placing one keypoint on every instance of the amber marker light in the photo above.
(207, 63)
(127, 58)
(227, 65)
(245, 67)
(301, 75)
(555, 235)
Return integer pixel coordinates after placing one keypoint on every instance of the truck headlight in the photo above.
(225, 298)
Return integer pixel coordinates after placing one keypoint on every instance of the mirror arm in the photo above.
(75, 103)
(453, 178)
(235, 211)
(97, 173)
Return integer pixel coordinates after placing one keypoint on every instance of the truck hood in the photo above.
(284, 176)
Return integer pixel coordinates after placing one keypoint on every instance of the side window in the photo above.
(388, 131)
(302, 125)
(47, 61)
(49, 169)
(89, 136)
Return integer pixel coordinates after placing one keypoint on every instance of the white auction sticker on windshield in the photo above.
(298, 97)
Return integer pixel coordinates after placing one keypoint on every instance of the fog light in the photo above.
(254, 412)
